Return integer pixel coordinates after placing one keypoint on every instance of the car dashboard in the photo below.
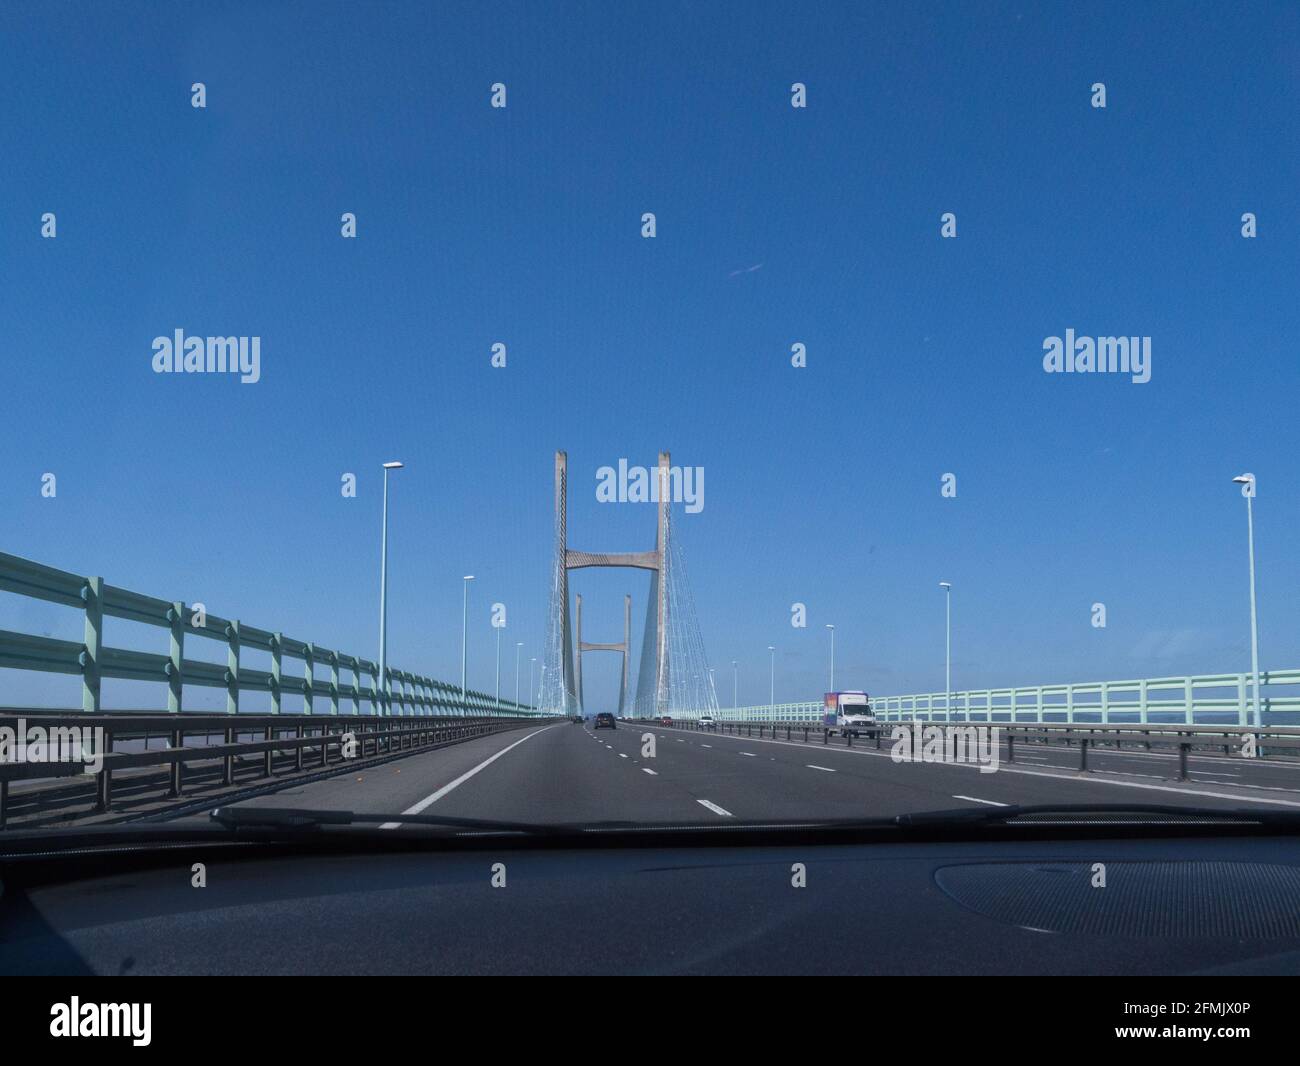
(1028, 907)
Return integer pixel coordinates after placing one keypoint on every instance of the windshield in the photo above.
(396, 415)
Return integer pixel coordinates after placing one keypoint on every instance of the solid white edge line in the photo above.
(715, 808)
(436, 796)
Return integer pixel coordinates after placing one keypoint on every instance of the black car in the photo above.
(604, 719)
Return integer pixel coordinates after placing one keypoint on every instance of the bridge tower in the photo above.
(561, 682)
(624, 648)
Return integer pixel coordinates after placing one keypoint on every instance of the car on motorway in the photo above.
(604, 720)
(707, 722)
(665, 719)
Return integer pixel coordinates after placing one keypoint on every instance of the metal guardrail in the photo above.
(1192, 700)
(404, 694)
(292, 738)
(1269, 741)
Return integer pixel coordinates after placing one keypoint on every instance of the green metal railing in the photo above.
(1197, 699)
(404, 694)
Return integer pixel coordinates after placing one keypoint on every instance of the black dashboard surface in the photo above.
(1167, 906)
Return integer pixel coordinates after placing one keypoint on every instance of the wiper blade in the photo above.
(1097, 814)
(306, 821)
(309, 820)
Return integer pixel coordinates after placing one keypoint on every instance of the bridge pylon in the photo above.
(624, 648)
(562, 688)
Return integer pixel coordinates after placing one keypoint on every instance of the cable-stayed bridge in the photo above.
(329, 724)
(673, 677)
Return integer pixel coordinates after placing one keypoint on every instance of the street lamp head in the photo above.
(392, 466)
(829, 626)
(468, 577)
(945, 584)
(1243, 479)
(771, 647)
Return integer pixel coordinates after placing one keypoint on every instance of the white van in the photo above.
(849, 714)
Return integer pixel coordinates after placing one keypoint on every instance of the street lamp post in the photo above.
(518, 644)
(947, 649)
(832, 629)
(383, 597)
(735, 680)
(496, 693)
(771, 690)
(1247, 483)
(532, 702)
(464, 620)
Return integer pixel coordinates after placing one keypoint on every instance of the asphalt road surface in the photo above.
(572, 774)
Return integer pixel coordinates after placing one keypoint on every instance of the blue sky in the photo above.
(775, 226)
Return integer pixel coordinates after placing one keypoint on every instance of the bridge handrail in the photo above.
(412, 695)
(1112, 702)
(1123, 731)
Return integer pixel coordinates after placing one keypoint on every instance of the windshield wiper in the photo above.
(305, 821)
(1098, 814)
(310, 820)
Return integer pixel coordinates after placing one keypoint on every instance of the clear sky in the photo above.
(775, 225)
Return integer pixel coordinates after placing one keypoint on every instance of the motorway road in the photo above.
(570, 773)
